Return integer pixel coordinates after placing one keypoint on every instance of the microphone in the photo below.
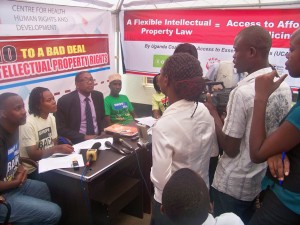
(110, 145)
(126, 144)
(147, 145)
(117, 139)
(91, 154)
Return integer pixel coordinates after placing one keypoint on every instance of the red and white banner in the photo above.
(151, 36)
(47, 45)
(28, 57)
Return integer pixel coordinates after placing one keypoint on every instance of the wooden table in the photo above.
(113, 180)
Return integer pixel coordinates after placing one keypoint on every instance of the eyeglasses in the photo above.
(87, 80)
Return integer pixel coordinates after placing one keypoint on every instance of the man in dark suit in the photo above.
(80, 113)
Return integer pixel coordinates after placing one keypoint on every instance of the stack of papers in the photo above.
(149, 121)
(58, 160)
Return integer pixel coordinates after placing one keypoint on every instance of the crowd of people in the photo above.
(79, 115)
(259, 139)
(238, 178)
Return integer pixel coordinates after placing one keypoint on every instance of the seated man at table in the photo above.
(29, 199)
(118, 108)
(80, 114)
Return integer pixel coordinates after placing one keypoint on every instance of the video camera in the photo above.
(220, 97)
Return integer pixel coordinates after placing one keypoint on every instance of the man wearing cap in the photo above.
(80, 114)
(118, 108)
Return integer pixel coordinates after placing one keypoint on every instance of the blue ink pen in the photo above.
(282, 159)
(64, 141)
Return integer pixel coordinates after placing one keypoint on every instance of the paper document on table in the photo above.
(149, 121)
(59, 154)
(89, 143)
(59, 162)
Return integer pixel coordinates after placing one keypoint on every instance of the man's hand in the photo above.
(223, 116)
(20, 175)
(265, 85)
(64, 148)
(209, 105)
(20, 169)
(88, 137)
(277, 168)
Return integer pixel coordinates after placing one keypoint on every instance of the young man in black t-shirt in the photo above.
(29, 199)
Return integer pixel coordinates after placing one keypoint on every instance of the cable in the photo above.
(85, 196)
(140, 170)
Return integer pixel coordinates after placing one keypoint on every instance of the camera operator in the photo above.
(225, 72)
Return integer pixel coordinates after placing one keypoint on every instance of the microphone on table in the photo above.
(117, 139)
(110, 145)
(91, 154)
(147, 145)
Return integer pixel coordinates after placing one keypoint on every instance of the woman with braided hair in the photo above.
(184, 137)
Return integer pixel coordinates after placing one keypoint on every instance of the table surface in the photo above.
(105, 160)
(67, 185)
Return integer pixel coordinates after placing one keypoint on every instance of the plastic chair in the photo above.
(28, 161)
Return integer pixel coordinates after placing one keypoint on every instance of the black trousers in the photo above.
(213, 162)
(273, 212)
(224, 203)
(157, 218)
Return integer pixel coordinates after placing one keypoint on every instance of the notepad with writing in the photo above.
(122, 130)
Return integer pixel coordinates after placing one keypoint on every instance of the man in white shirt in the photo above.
(237, 180)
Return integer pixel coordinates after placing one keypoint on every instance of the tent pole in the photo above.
(244, 6)
(117, 12)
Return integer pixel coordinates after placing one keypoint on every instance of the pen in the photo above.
(282, 159)
(64, 141)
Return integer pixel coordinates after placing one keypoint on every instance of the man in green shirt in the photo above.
(118, 108)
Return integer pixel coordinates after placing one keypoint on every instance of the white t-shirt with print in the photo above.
(37, 131)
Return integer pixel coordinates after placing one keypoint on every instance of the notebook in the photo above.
(122, 130)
